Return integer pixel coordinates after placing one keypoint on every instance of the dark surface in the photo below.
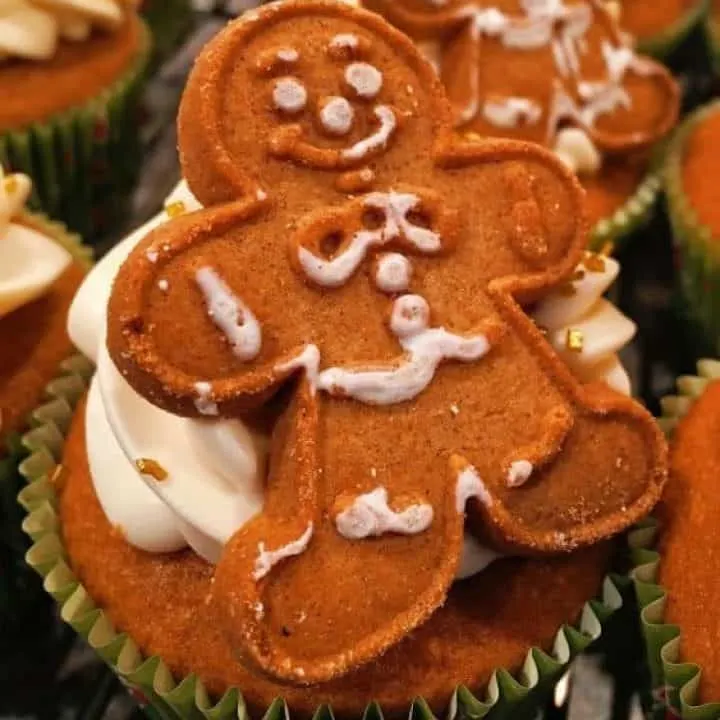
(47, 673)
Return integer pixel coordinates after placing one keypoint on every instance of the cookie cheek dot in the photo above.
(365, 80)
(289, 95)
(337, 116)
(393, 272)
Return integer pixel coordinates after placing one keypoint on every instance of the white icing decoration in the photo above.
(345, 40)
(267, 559)
(469, 485)
(204, 402)
(308, 360)
(475, 558)
(425, 349)
(378, 139)
(288, 55)
(152, 256)
(365, 79)
(289, 95)
(337, 116)
(519, 473)
(231, 315)
(164, 285)
(396, 206)
(511, 112)
(393, 273)
(371, 516)
(575, 148)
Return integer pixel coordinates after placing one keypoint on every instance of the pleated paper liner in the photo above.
(84, 162)
(698, 251)
(170, 21)
(507, 695)
(663, 45)
(675, 679)
(17, 584)
(712, 30)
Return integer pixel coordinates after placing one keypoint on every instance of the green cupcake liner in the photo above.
(506, 696)
(699, 260)
(675, 680)
(712, 34)
(661, 46)
(84, 162)
(170, 21)
(17, 585)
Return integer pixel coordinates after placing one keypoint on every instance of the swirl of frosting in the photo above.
(32, 29)
(198, 480)
(31, 262)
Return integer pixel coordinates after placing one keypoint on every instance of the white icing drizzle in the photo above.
(371, 516)
(365, 79)
(519, 473)
(289, 95)
(337, 116)
(267, 559)
(308, 360)
(204, 403)
(469, 485)
(575, 148)
(393, 273)
(395, 206)
(345, 40)
(378, 139)
(230, 314)
(511, 112)
(425, 349)
(288, 55)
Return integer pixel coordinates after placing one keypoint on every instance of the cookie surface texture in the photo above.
(352, 254)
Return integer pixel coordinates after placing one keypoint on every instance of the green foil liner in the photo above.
(675, 679)
(507, 695)
(17, 585)
(712, 32)
(84, 161)
(170, 21)
(698, 252)
(661, 46)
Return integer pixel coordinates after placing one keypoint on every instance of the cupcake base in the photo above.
(488, 622)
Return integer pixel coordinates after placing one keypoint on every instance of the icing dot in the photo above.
(344, 40)
(410, 315)
(288, 55)
(337, 116)
(289, 95)
(393, 273)
(163, 285)
(365, 79)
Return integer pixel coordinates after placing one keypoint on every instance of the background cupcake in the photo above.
(70, 77)
(170, 21)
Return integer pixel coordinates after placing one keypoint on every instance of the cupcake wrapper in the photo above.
(633, 215)
(17, 585)
(699, 261)
(661, 46)
(84, 161)
(170, 21)
(149, 680)
(712, 33)
(675, 683)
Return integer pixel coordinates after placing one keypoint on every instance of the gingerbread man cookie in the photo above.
(351, 254)
(528, 68)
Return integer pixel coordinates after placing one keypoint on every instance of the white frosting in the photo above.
(308, 360)
(267, 559)
(289, 95)
(30, 262)
(574, 147)
(371, 516)
(345, 40)
(337, 116)
(365, 79)
(393, 273)
(425, 348)
(230, 314)
(469, 485)
(288, 55)
(605, 330)
(395, 206)
(32, 29)
(511, 112)
(204, 403)
(519, 473)
(378, 139)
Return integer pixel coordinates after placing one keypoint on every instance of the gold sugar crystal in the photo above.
(175, 209)
(10, 184)
(574, 340)
(594, 263)
(152, 468)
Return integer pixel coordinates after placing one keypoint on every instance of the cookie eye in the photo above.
(289, 95)
(410, 315)
(336, 116)
(364, 79)
(347, 46)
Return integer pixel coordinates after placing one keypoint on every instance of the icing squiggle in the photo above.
(267, 559)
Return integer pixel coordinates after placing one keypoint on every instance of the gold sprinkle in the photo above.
(594, 263)
(10, 184)
(607, 249)
(175, 209)
(58, 477)
(152, 468)
(574, 340)
(473, 137)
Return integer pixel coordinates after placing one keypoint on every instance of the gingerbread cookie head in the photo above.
(380, 293)
(528, 69)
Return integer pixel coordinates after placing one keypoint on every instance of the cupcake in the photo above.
(661, 27)
(169, 21)
(692, 204)
(42, 266)
(576, 86)
(713, 31)
(383, 600)
(677, 556)
(70, 77)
